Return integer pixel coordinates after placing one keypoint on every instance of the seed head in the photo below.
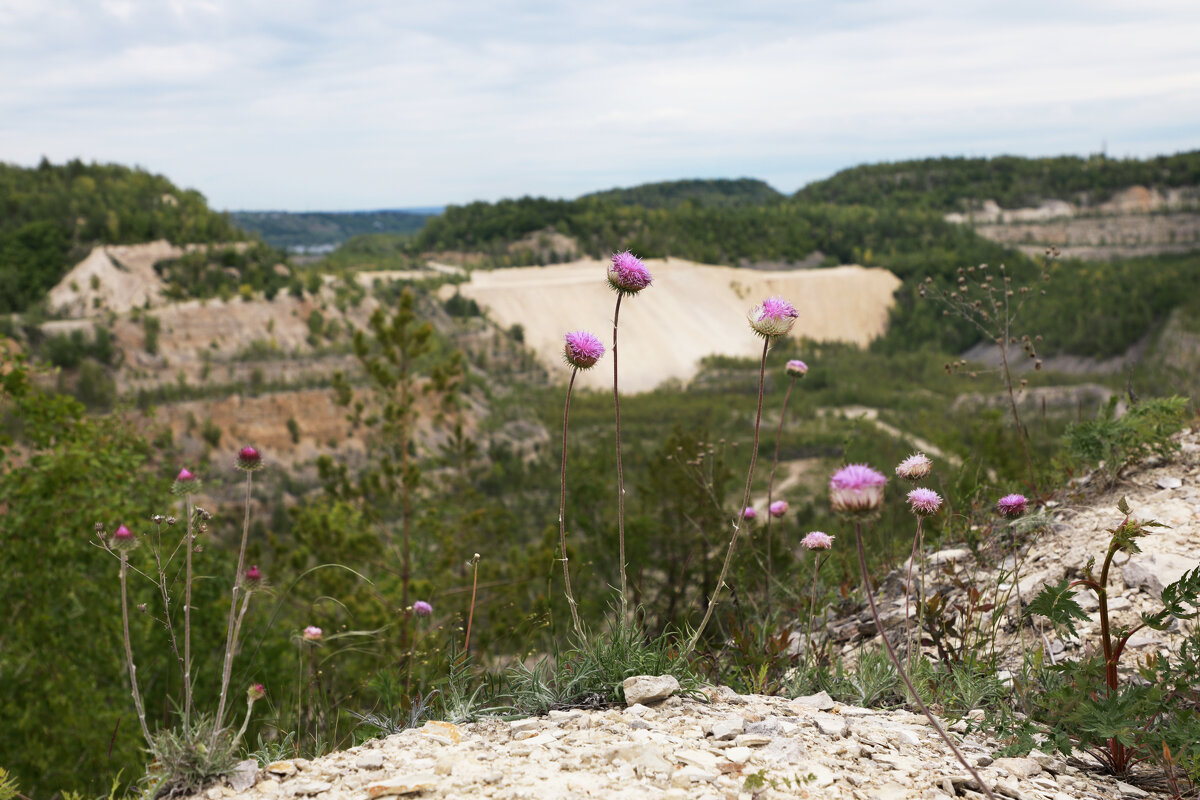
(817, 540)
(914, 467)
(422, 608)
(249, 459)
(924, 502)
(856, 489)
(1012, 505)
(627, 274)
(582, 350)
(778, 508)
(796, 368)
(772, 317)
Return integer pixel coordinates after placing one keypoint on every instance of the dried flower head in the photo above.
(627, 274)
(185, 483)
(256, 692)
(778, 508)
(749, 513)
(422, 608)
(796, 368)
(772, 317)
(249, 459)
(817, 540)
(914, 467)
(1012, 505)
(582, 350)
(313, 634)
(856, 489)
(924, 502)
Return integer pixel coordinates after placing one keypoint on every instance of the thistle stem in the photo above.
(235, 618)
(862, 565)
(737, 520)
(137, 697)
(771, 496)
(908, 589)
(620, 470)
(471, 613)
(562, 513)
(812, 612)
(187, 619)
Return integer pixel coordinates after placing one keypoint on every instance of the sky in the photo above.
(364, 104)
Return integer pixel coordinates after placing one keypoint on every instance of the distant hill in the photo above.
(701, 193)
(304, 230)
(957, 184)
(52, 215)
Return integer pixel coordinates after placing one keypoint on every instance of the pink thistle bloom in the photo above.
(256, 692)
(185, 475)
(253, 575)
(749, 513)
(248, 459)
(796, 368)
(422, 609)
(627, 274)
(855, 489)
(924, 502)
(123, 539)
(817, 540)
(773, 317)
(313, 634)
(582, 350)
(778, 508)
(914, 467)
(185, 482)
(1012, 505)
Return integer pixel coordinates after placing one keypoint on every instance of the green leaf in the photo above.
(1057, 604)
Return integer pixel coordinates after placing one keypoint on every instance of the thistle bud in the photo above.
(248, 459)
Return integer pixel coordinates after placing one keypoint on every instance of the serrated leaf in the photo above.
(1123, 506)
(1057, 604)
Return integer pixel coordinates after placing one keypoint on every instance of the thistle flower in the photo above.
(749, 513)
(817, 540)
(627, 274)
(582, 350)
(422, 609)
(123, 539)
(924, 501)
(914, 467)
(772, 317)
(248, 459)
(256, 692)
(253, 575)
(796, 368)
(778, 508)
(856, 489)
(313, 634)
(185, 483)
(1012, 505)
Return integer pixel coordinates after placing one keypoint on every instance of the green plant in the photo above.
(151, 327)
(1117, 443)
(8, 785)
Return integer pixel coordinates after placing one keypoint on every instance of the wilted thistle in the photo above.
(856, 492)
(627, 275)
(771, 318)
(581, 350)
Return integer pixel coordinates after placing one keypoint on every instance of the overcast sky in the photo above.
(358, 104)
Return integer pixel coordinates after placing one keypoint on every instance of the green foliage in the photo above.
(8, 785)
(151, 327)
(51, 215)
(953, 184)
(186, 759)
(1057, 604)
(292, 230)
(225, 271)
(702, 193)
(1116, 443)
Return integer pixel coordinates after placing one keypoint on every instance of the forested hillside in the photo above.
(312, 229)
(704, 193)
(52, 215)
(951, 184)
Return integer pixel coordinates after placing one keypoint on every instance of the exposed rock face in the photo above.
(113, 278)
(732, 746)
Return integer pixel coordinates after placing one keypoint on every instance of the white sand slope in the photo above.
(691, 311)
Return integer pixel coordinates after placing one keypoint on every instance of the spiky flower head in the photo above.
(1012, 505)
(772, 317)
(627, 274)
(256, 692)
(817, 540)
(253, 575)
(185, 483)
(249, 459)
(422, 608)
(778, 508)
(796, 368)
(856, 489)
(313, 634)
(924, 502)
(914, 467)
(123, 539)
(582, 350)
(749, 513)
